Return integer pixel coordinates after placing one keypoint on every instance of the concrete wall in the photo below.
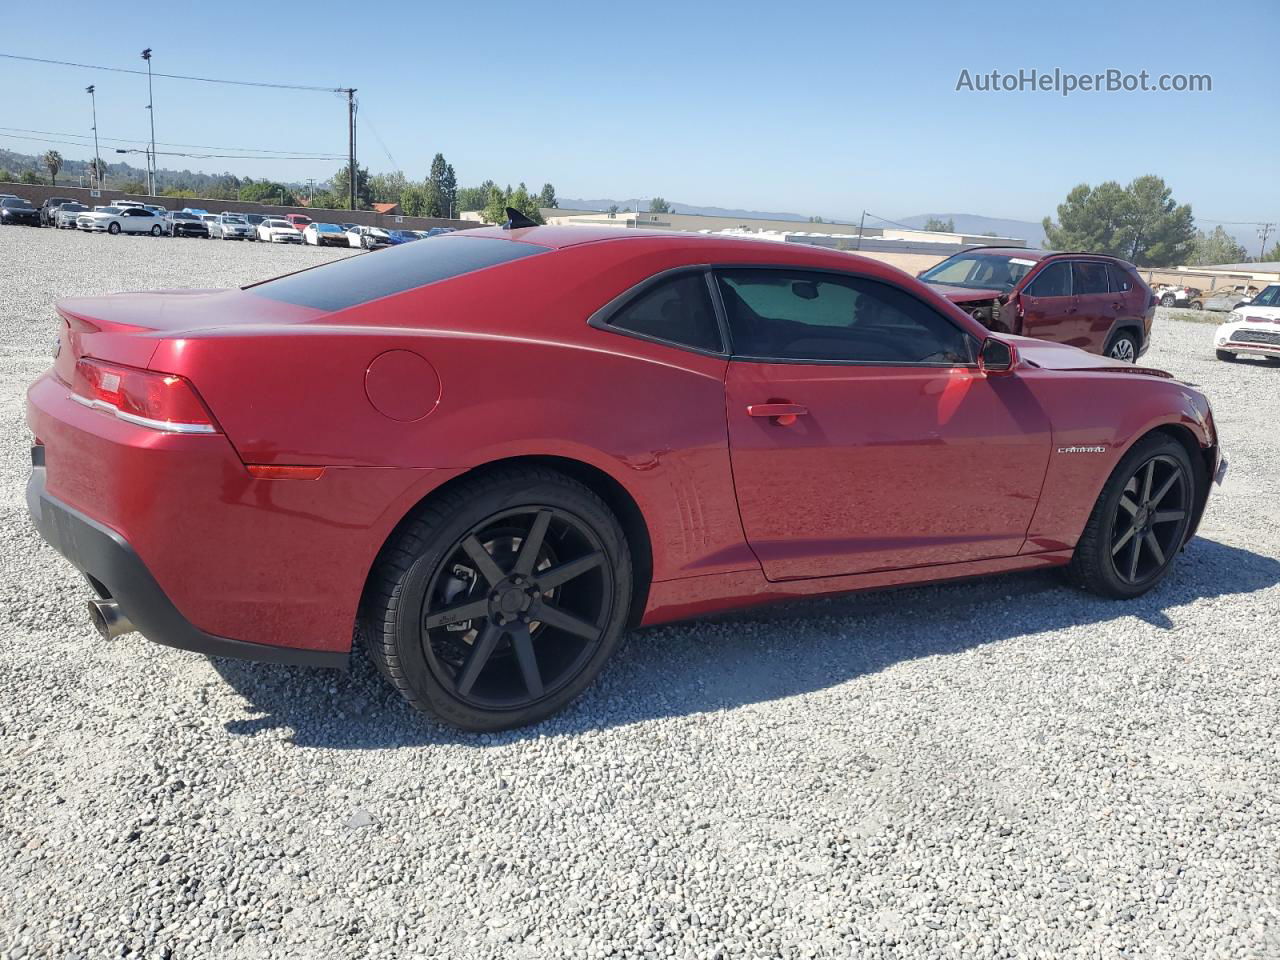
(38, 194)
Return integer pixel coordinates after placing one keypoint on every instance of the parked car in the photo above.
(1097, 303)
(16, 210)
(1253, 328)
(255, 219)
(1224, 299)
(1170, 296)
(278, 230)
(348, 226)
(65, 215)
(368, 238)
(180, 223)
(715, 422)
(126, 204)
(49, 207)
(402, 236)
(324, 235)
(436, 231)
(196, 211)
(115, 220)
(298, 220)
(231, 226)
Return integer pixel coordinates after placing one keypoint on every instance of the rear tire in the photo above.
(1124, 346)
(472, 628)
(156, 231)
(1226, 355)
(1139, 522)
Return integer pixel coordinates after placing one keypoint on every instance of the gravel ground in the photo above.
(1005, 768)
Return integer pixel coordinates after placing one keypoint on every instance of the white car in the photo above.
(324, 235)
(1252, 328)
(278, 231)
(64, 218)
(230, 226)
(121, 220)
(368, 238)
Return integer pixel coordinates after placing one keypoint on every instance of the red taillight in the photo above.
(161, 401)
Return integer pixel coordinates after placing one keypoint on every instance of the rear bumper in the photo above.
(118, 572)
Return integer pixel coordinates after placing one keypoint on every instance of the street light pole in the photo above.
(146, 55)
(97, 157)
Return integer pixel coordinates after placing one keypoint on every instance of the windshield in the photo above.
(17, 202)
(232, 218)
(72, 207)
(278, 223)
(328, 228)
(1269, 297)
(980, 271)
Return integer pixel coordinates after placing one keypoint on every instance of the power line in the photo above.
(168, 153)
(174, 76)
(201, 146)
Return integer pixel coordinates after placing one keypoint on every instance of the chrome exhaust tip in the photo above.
(108, 620)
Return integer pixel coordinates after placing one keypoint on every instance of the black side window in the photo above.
(677, 310)
(1121, 282)
(1053, 281)
(1088, 276)
(802, 315)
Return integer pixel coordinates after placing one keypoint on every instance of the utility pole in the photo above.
(861, 223)
(97, 157)
(146, 55)
(311, 181)
(351, 140)
(1264, 231)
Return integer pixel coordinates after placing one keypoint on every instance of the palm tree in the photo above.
(53, 160)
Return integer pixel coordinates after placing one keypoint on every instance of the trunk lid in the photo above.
(128, 327)
(1059, 356)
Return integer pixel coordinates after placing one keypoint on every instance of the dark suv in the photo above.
(1097, 303)
(49, 209)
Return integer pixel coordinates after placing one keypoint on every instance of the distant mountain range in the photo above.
(965, 222)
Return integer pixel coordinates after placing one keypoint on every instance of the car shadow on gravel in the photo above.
(752, 657)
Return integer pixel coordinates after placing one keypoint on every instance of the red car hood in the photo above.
(964, 294)
(1060, 356)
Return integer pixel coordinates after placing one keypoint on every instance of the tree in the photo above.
(134, 186)
(6, 176)
(521, 199)
(340, 186)
(1273, 256)
(389, 187)
(267, 191)
(658, 205)
(613, 210)
(413, 201)
(547, 196)
(1140, 223)
(473, 198)
(934, 225)
(53, 162)
(433, 202)
(442, 184)
(31, 178)
(495, 206)
(816, 220)
(1217, 247)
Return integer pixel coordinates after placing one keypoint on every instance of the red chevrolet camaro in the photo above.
(490, 453)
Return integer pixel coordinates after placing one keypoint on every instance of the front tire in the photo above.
(1168, 300)
(113, 228)
(1139, 522)
(500, 600)
(1226, 355)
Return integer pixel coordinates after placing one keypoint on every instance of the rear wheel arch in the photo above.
(618, 499)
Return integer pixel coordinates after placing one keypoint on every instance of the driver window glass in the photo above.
(1053, 281)
(1088, 277)
(798, 315)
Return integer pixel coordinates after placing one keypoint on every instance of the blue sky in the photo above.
(823, 108)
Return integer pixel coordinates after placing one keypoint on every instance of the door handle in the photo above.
(784, 414)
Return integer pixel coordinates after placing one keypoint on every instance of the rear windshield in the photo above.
(369, 276)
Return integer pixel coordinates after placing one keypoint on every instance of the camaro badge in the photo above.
(1098, 449)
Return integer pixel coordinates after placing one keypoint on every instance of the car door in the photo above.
(862, 434)
(136, 221)
(1046, 304)
(1096, 306)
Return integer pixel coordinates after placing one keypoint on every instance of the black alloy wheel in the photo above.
(1151, 519)
(500, 599)
(517, 607)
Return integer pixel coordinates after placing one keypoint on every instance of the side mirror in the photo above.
(997, 358)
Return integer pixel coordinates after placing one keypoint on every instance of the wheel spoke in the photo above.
(555, 617)
(567, 571)
(1147, 481)
(1133, 559)
(484, 562)
(481, 650)
(1119, 544)
(1168, 516)
(522, 642)
(472, 610)
(1128, 505)
(1154, 546)
(1164, 490)
(532, 545)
